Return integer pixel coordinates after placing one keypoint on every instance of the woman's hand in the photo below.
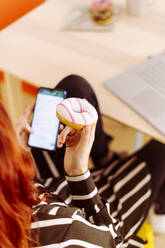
(23, 128)
(78, 147)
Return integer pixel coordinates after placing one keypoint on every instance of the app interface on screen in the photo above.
(45, 123)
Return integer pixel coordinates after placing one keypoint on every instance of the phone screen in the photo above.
(45, 124)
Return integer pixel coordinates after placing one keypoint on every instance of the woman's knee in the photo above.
(76, 86)
(152, 151)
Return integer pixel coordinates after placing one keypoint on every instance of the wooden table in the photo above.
(36, 48)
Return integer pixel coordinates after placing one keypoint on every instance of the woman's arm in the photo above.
(66, 226)
(95, 218)
(78, 147)
(89, 225)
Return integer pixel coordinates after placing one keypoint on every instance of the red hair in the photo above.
(17, 192)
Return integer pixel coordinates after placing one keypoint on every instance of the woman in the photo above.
(58, 223)
(152, 154)
(17, 192)
(68, 211)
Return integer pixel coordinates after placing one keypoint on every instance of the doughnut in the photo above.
(76, 113)
(102, 12)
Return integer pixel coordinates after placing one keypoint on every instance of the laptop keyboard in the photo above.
(154, 75)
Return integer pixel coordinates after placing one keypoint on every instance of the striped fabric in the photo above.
(104, 208)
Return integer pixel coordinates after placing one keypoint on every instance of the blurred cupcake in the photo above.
(102, 12)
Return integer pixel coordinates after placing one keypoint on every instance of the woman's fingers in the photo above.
(29, 111)
(28, 128)
(71, 140)
(59, 143)
(23, 123)
(64, 133)
(61, 127)
(68, 135)
(85, 134)
(71, 136)
(87, 139)
(88, 134)
(62, 137)
(93, 129)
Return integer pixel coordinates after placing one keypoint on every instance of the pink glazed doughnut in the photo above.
(76, 113)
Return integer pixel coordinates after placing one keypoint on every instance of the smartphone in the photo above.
(45, 124)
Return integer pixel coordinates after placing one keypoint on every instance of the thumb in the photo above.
(85, 134)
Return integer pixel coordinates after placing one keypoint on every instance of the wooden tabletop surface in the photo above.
(38, 49)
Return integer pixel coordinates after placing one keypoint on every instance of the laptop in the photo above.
(143, 89)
